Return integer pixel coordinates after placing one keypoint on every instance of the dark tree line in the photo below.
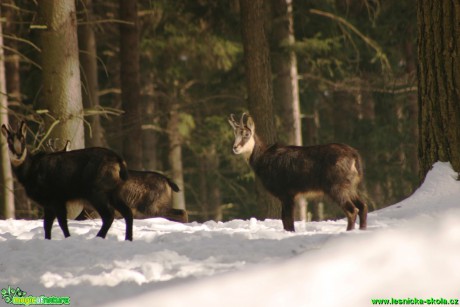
(156, 80)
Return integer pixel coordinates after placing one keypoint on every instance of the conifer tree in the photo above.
(438, 82)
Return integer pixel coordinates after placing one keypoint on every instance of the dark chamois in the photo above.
(290, 171)
(147, 193)
(54, 179)
(75, 207)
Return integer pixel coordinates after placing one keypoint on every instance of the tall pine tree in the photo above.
(439, 82)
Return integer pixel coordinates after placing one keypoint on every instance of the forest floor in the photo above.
(410, 251)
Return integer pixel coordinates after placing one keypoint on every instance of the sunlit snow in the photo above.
(410, 250)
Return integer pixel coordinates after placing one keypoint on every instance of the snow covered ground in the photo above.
(411, 250)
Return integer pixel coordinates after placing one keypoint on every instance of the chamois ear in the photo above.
(23, 129)
(5, 131)
(250, 124)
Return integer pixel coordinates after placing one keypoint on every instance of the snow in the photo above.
(410, 250)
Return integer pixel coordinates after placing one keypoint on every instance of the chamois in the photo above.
(290, 171)
(75, 207)
(53, 179)
(147, 193)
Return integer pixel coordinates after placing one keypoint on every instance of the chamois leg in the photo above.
(341, 196)
(351, 212)
(48, 221)
(126, 212)
(61, 212)
(107, 217)
(362, 207)
(101, 204)
(287, 214)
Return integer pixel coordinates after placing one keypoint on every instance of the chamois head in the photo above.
(16, 143)
(244, 134)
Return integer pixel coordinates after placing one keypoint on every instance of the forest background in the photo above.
(159, 79)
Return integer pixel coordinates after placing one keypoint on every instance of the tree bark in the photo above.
(149, 136)
(61, 71)
(285, 82)
(438, 82)
(13, 84)
(411, 70)
(94, 135)
(215, 195)
(6, 175)
(311, 124)
(203, 188)
(344, 113)
(258, 70)
(130, 84)
(259, 85)
(210, 191)
(175, 156)
(23, 205)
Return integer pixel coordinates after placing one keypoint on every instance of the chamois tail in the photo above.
(359, 164)
(123, 170)
(173, 185)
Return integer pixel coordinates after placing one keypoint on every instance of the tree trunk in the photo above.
(175, 156)
(13, 88)
(130, 84)
(438, 82)
(149, 136)
(23, 205)
(344, 113)
(311, 124)
(259, 85)
(6, 176)
(258, 71)
(210, 184)
(411, 70)
(215, 195)
(317, 211)
(61, 71)
(94, 135)
(13, 85)
(285, 81)
(204, 202)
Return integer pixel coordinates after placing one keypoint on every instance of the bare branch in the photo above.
(28, 42)
(379, 52)
(106, 21)
(350, 86)
(22, 55)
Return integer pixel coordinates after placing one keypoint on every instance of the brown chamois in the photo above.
(54, 179)
(290, 171)
(147, 193)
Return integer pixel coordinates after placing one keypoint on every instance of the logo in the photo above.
(18, 297)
